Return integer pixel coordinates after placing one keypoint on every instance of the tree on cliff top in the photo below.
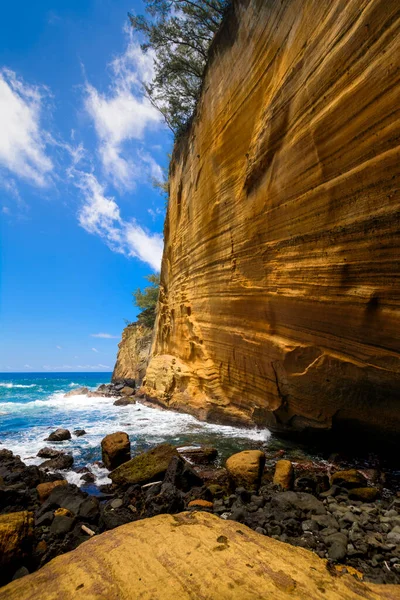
(179, 32)
(147, 301)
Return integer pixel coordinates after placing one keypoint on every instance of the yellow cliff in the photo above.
(279, 300)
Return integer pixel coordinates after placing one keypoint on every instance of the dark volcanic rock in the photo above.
(49, 453)
(61, 462)
(59, 435)
(181, 475)
(79, 432)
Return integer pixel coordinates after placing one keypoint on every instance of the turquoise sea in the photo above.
(33, 404)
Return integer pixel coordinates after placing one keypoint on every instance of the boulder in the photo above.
(16, 536)
(284, 474)
(79, 432)
(59, 435)
(245, 468)
(60, 463)
(127, 391)
(48, 453)
(181, 475)
(44, 489)
(82, 391)
(124, 401)
(115, 449)
(146, 467)
(349, 479)
(200, 456)
(188, 556)
(365, 494)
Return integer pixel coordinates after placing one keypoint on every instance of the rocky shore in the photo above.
(347, 515)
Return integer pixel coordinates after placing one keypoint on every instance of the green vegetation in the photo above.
(147, 301)
(179, 32)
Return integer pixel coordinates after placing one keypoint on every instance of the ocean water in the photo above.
(33, 404)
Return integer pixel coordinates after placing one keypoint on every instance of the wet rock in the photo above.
(127, 391)
(60, 463)
(79, 432)
(146, 467)
(82, 391)
(117, 503)
(284, 474)
(124, 401)
(88, 478)
(45, 489)
(349, 479)
(170, 500)
(245, 468)
(309, 525)
(49, 453)
(115, 449)
(180, 474)
(200, 456)
(59, 435)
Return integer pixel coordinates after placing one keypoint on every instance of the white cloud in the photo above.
(106, 336)
(103, 366)
(59, 347)
(23, 141)
(94, 349)
(100, 215)
(123, 114)
(27, 366)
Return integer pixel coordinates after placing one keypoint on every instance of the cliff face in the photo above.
(133, 354)
(279, 300)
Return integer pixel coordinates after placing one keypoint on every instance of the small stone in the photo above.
(337, 551)
(117, 503)
(21, 572)
(245, 468)
(326, 521)
(309, 525)
(260, 530)
(63, 512)
(200, 504)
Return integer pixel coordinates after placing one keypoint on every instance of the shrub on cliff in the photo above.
(179, 32)
(147, 301)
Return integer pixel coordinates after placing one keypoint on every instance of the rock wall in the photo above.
(133, 354)
(279, 300)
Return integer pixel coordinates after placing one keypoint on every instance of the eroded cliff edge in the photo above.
(279, 299)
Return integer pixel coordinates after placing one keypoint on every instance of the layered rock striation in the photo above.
(133, 354)
(190, 556)
(279, 297)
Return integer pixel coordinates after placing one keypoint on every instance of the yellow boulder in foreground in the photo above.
(189, 556)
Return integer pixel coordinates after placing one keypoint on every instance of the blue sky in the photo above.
(80, 222)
